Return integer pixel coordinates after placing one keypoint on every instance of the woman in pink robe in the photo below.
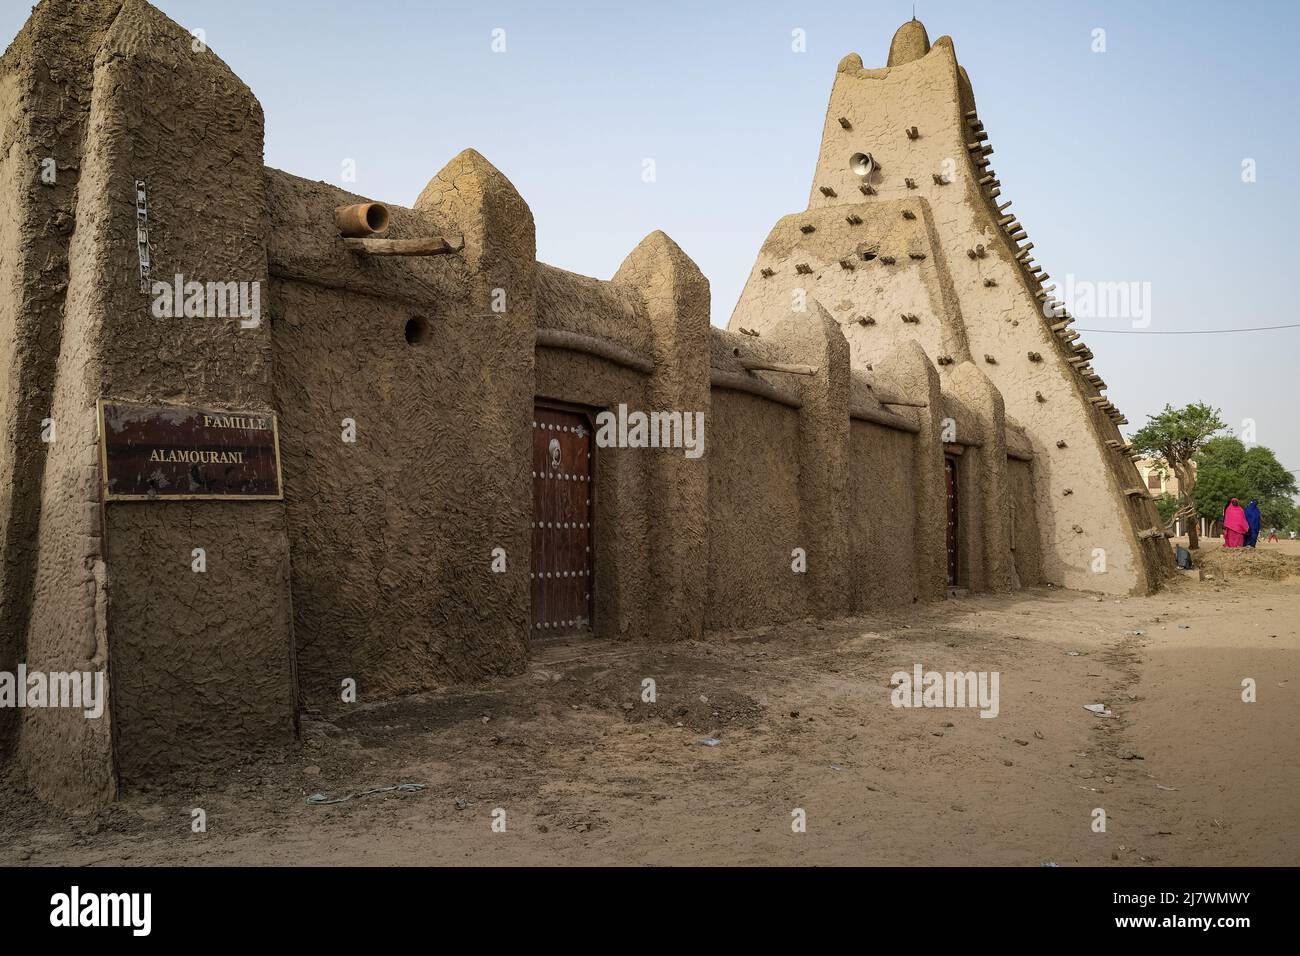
(1235, 525)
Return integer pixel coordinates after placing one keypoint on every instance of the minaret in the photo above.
(906, 237)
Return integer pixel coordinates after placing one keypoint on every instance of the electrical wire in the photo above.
(1258, 328)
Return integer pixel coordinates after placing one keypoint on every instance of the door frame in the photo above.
(588, 414)
(952, 512)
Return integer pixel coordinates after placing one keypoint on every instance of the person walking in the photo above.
(1252, 519)
(1235, 525)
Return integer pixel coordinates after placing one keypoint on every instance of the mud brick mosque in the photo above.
(391, 478)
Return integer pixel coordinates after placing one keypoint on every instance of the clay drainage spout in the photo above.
(361, 219)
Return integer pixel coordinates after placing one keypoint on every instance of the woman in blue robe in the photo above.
(1252, 519)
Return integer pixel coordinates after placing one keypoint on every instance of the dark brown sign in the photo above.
(162, 452)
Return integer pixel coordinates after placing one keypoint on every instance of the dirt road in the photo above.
(588, 772)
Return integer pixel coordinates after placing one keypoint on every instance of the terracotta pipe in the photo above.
(361, 219)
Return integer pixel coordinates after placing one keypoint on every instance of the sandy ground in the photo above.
(589, 773)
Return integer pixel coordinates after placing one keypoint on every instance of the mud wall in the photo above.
(202, 658)
(628, 586)
(1024, 523)
(754, 521)
(625, 581)
(391, 541)
(198, 665)
(405, 406)
(883, 516)
(871, 265)
(42, 128)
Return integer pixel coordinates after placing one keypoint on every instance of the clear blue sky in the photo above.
(1124, 165)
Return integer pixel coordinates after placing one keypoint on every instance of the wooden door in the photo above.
(950, 474)
(561, 572)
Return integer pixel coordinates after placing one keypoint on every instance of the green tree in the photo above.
(1285, 516)
(1172, 438)
(1227, 469)
(1167, 507)
(1293, 524)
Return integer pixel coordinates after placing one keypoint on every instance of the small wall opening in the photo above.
(417, 330)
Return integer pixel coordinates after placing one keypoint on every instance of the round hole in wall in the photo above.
(417, 330)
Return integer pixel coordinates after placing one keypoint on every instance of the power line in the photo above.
(1258, 328)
